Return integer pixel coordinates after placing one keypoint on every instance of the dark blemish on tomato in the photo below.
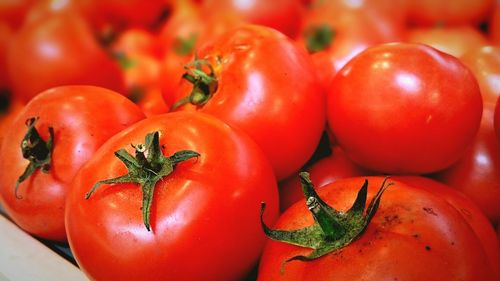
(452, 243)
(429, 211)
(416, 235)
(427, 247)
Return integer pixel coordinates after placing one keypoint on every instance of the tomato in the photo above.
(204, 214)
(5, 39)
(404, 108)
(414, 235)
(282, 15)
(152, 103)
(496, 119)
(13, 12)
(467, 208)
(334, 32)
(484, 62)
(260, 81)
(78, 119)
(59, 50)
(477, 173)
(137, 41)
(181, 30)
(455, 40)
(430, 12)
(494, 24)
(324, 171)
(9, 108)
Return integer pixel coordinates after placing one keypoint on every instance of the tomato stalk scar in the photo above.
(332, 229)
(36, 150)
(146, 168)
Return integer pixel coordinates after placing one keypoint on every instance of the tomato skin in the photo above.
(470, 212)
(477, 172)
(40, 52)
(205, 215)
(324, 171)
(267, 86)
(80, 127)
(453, 40)
(282, 15)
(496, 119)
(484, 62)
(430, 12)
(404, 108)
(409, 220)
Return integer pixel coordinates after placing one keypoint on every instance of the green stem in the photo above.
(332, 229)
(146, 168)
(36, 150)
(204, 84)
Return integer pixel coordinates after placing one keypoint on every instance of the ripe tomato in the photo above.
(333, 32)
(324, 171)
(203, 221)
(477, 173)
(13, 12)
(484, 62)
(9, 108)
(81, 119)
(5, 38)
(453, 40)
(282, 15)
(496, 119)
(59, 50)
(467, 208)
(415, 235)
(404, 108)
(260, 81)
(431, 12)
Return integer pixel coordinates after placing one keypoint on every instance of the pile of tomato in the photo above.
(255, 140)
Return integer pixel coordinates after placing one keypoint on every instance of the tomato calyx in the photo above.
(204, 84)
(146, 168)
(318, 38)
(332, 229)
(36, 150)
(185, 46)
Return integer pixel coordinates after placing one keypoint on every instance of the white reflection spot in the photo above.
(408, 81)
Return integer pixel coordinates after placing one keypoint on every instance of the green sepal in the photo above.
(146, 168)
(36, 150)
(332, 229)
(318, 38)
(204, 84)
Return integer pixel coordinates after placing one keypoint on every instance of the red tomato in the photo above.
(415, 235)
(404, 108)
(5, 39)
(484, 61)
(324, 171)
(496, 119)
(82, 118)
(282, 15)
(208, 205)
(9, 108)
(431, 12)
(13, 12)
(181, 30)
(334, 32)
(59, 50)
(477, 173)
(455, 40)
(262, 83)
(468, 209)
(494, 24)
(152, 103)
